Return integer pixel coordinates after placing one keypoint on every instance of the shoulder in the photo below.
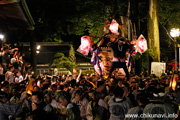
(133, 110)
(102, 103)
(70, 105)
(48, 108)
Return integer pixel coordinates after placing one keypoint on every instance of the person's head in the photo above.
(47, 96)
(15, 90)
(17, 73)
(37, 97)
(6, 49)
(100, 86)
(118, 92)
(141, 85)
(54, 87)
(126, 86)
(11, 68)
(111, 90)
(142, 99)
(61, 87)
(73, 83)
(64, 99)
(92, 94)
(36, 89)
(78, 94)
(3, 97)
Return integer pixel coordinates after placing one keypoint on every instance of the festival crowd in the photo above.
(84, 97)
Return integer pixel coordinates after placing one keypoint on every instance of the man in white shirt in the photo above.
(19, 78)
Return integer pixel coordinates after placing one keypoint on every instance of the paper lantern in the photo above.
(85, 45)
(141, 44)
(114, 26)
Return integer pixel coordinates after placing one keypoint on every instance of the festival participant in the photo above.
(5, 58)
(72, 110)
(82, 102)
(97, 108)
(138, 110)
(119, 45)
(118, 106)
(40, 110)
(19, 78)
(157, 106)
(7, 110)
(9, 75)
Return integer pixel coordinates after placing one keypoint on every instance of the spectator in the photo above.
(40, 110)
(5, 58)
(9, 75)
(142, 102)
(82, 102)
(157, 106)
(19, 78)
(97, 108)
(72, 110)
(7, 110)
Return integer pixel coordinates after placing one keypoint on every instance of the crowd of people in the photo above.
(84, 97)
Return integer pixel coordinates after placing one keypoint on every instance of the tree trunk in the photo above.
(153, 29)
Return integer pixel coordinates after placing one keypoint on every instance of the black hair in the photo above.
(111, 89)
(73, 83)
(126, 85)
(118, 92)
(100, 83)
(37, 87)
(61, 87)
(54, 86)
(142, 84)
(39, 95)
(66, 96)
(142, 97)
(3, 94)
(11, 66)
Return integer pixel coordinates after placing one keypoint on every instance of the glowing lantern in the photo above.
(141, 44)
(85, 45)
(114, 26)
(174, 82)
(30, 86)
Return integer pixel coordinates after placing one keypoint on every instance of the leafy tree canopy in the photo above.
(63, 62)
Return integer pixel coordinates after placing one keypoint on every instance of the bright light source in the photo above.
(114, 26)
(175, 32)
(38, 47)
(1, 36)
(37, 52)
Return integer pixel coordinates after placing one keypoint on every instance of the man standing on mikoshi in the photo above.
(119, 46)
